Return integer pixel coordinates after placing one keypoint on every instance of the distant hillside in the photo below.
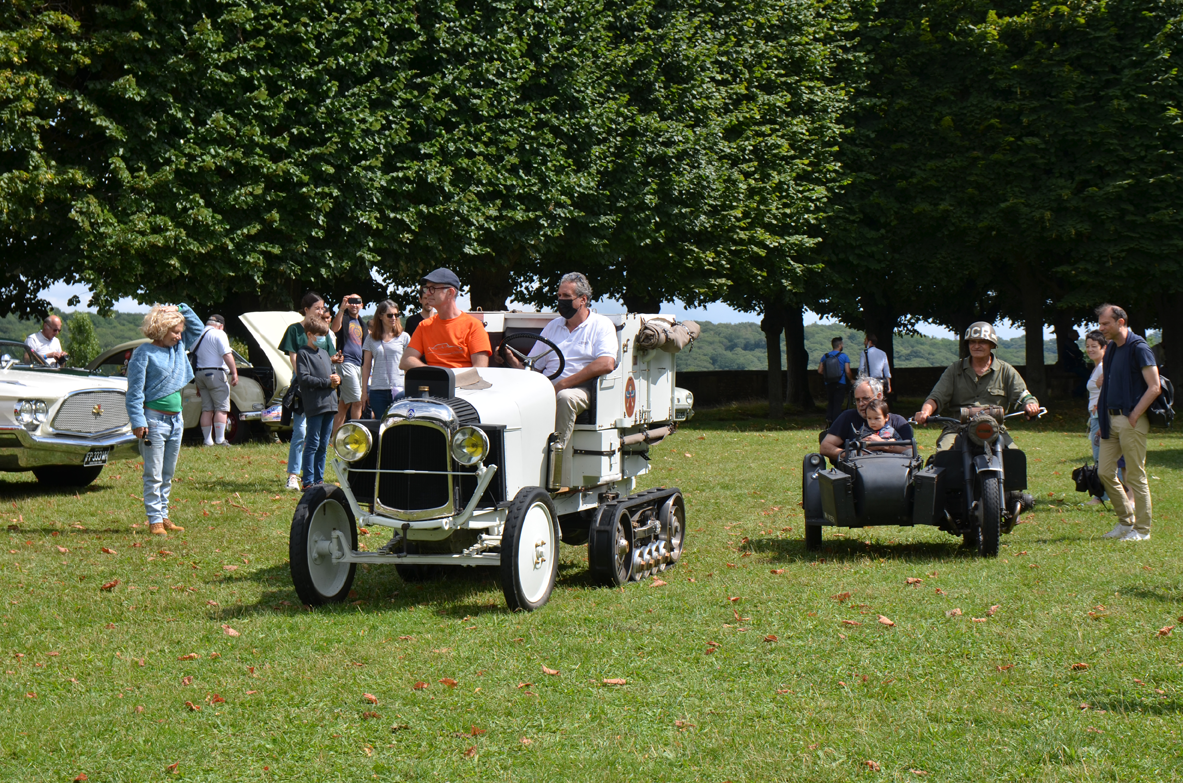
(741, 347)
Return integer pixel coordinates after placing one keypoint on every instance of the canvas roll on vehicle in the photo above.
(467, 473)
(962, 490)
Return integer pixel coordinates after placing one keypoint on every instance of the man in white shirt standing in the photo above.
(46, 344)
(874, 363)
(589, 345)
(214, 362)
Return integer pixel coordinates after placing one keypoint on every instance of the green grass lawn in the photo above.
(755, 661)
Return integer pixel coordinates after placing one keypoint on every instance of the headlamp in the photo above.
(30, 414)
(352, 442)
(983, 430)
(469, 446)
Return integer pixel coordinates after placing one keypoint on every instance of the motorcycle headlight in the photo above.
(469, 446)
(983, 430)
(352, 442)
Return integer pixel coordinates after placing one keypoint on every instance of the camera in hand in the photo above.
(354, 300)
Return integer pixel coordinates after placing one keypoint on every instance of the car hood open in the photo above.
(268, 327)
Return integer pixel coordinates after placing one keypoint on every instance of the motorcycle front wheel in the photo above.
(991, 517)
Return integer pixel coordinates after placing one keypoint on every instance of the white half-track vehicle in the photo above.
(466, 471)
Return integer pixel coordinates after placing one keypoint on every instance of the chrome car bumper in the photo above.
(22, 450)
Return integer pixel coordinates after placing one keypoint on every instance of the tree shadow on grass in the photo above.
(1132, 704)
(25, 490)
(453, 594)
(1167, 594)
(847, 550)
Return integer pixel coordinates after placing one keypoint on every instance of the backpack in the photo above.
(1088, 480)
(832, 367)
(1162, 410)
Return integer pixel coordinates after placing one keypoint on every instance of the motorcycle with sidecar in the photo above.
(973, 490)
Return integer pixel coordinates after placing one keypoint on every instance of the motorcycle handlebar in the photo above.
(950, 420)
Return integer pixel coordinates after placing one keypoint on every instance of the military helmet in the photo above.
(982, 330)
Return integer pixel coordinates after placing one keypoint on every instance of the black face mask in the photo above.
(567, 308)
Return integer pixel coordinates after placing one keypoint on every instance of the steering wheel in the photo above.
(531, 361)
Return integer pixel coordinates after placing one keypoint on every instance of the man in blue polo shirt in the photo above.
(1130, 383)
(850, 423)
(834, 368)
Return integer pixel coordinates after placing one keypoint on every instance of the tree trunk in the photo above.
(773, 325)
(1066, 337)
(1170, 318)
(489, 284)
(1033, 302)
(798, 359)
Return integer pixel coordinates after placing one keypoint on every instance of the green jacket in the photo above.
(960, 386)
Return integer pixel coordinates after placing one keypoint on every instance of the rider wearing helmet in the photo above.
(979, 380)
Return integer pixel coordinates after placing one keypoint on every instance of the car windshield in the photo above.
(20, 354)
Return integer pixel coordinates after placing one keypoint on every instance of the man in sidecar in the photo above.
(850, 423)
(981, 380)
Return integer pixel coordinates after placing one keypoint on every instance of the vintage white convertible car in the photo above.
(64, 425)
(247, 399)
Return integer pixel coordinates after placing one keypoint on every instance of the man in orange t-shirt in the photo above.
(451, 337)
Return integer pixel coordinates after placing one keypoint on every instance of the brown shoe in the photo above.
(170, 527)
(157, 529)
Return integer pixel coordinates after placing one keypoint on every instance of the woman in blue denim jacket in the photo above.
(156, 373)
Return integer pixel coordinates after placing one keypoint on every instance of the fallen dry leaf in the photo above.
(189, 657)
(884, 621)
(230, 568)
(110, 585)
(874, 765)
(524, 685)
(371, 698)
(953, 613)
(1078, 667)
(770, 637)
(470, 753)
(81, 778)
(683, 724)
(1165, 630)
(419, 686)
(990, 612)
(63, 550)
(841, 597)
(216, 699)
(917, 771)
(551, 672)
(187, 680)
(913, 580)
(370, 715)
(192, 707)
(475, 732)
(230, 631)
(851, 622)
(526, 741)
(449, 682)
(172, 768)
(658, 583)
(108, 551)
(616, 681)
(734, 598)
(979, 619)
(1006, 667)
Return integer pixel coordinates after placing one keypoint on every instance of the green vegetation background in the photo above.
(721, 347)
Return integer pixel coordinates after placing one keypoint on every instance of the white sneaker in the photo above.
(1134, 535)
(1119, 530)
(293, 481)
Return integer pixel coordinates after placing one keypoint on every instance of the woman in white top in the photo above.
(1094, 346)
(381, 379)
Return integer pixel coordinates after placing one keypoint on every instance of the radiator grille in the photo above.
(412, 446)
(91, 412)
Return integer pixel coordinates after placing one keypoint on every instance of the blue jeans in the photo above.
(159, 448)
(381, 399)
(296, 449)
(316, 444)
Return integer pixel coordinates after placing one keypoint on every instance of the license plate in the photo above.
(95, 457)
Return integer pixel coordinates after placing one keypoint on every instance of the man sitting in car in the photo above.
(588, 343)
(451, 337)
(850, 423)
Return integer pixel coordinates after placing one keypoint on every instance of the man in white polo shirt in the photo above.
(589, 345)
(215, 374)
(46, 343)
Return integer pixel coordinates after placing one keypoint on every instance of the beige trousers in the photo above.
(1129, 442)
(569, 403)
